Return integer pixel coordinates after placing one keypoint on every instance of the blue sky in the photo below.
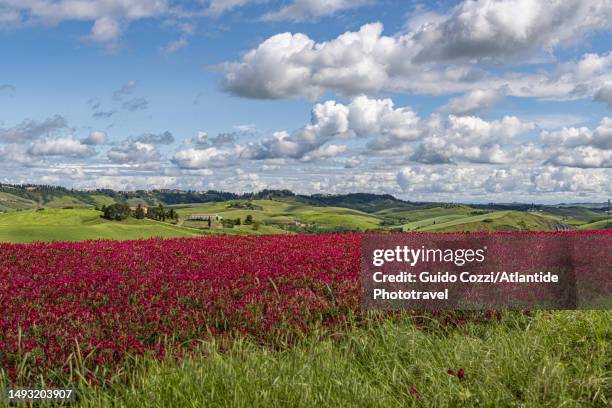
(458, 101)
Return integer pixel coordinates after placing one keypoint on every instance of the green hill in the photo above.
(80, 225)
(46, 213)
(287, 212)
(495, 221)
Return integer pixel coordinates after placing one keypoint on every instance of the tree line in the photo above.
(120, 212)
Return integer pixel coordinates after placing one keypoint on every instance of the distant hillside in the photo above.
(369, 203)
(24, 197)
(16, 197)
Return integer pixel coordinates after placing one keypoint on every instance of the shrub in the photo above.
(116, 212)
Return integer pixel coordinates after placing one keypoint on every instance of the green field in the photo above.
(288, 212)
(279, 216)
(80, 225)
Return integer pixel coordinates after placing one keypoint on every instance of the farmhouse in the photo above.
(203, 217)
(144, 209)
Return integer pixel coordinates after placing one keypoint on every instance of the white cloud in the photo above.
(506, 183)
(325, 152)
(106, 15)
(554, 179)
(288, 65)
(580, 147)
(493, 30)
(474, 101)
(95, 138)
(67, 146)
(470, 139)
(362, 117)
(206, 158)
(105, 29)
(31, 129)
(445, 55)
(582, 156)
(218, 7)
(604, 94)
(134, 152)
(304, 10)
(174, 46)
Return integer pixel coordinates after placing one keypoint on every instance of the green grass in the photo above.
(10, 202)
(102, 199)
(80, 225)
(288, 212)
(597, 225)
(65, 201)
(85, 223)
(425, 213)
(495, 221)
(548, 360)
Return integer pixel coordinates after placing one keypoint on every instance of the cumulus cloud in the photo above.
(105, 29)
(362, 117)
(164, 138)
(474, 101)
(288, 65)
(443, 54)
(464, 139)
(304, 10)
(95, 138)
(67, 146)
(325, 152)
(604, 94)
(564, 179)
(107, 16)
(207, 157)
(329, 120)
(508, 182)
(133, 152)
(32, 129)
(582, 156)
(493, 30)
(580, 147)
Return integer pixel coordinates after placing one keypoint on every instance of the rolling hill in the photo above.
(80, 225)
(46, 213)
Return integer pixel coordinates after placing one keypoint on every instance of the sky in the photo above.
(473, 101)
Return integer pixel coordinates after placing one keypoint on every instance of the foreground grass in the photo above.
(548, 360)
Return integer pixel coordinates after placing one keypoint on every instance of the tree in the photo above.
(116, 212)
(162, 213)
(248, 220)
(139, 213)
(237, 221)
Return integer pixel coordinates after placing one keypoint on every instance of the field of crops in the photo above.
(83, 312)
(109, 299)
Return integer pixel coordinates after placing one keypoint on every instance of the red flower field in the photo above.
(117, 298)
(92, 304)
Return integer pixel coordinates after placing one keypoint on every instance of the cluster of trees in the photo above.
(116, 212)
(231, 223)
(159, 213)
(120, 212)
